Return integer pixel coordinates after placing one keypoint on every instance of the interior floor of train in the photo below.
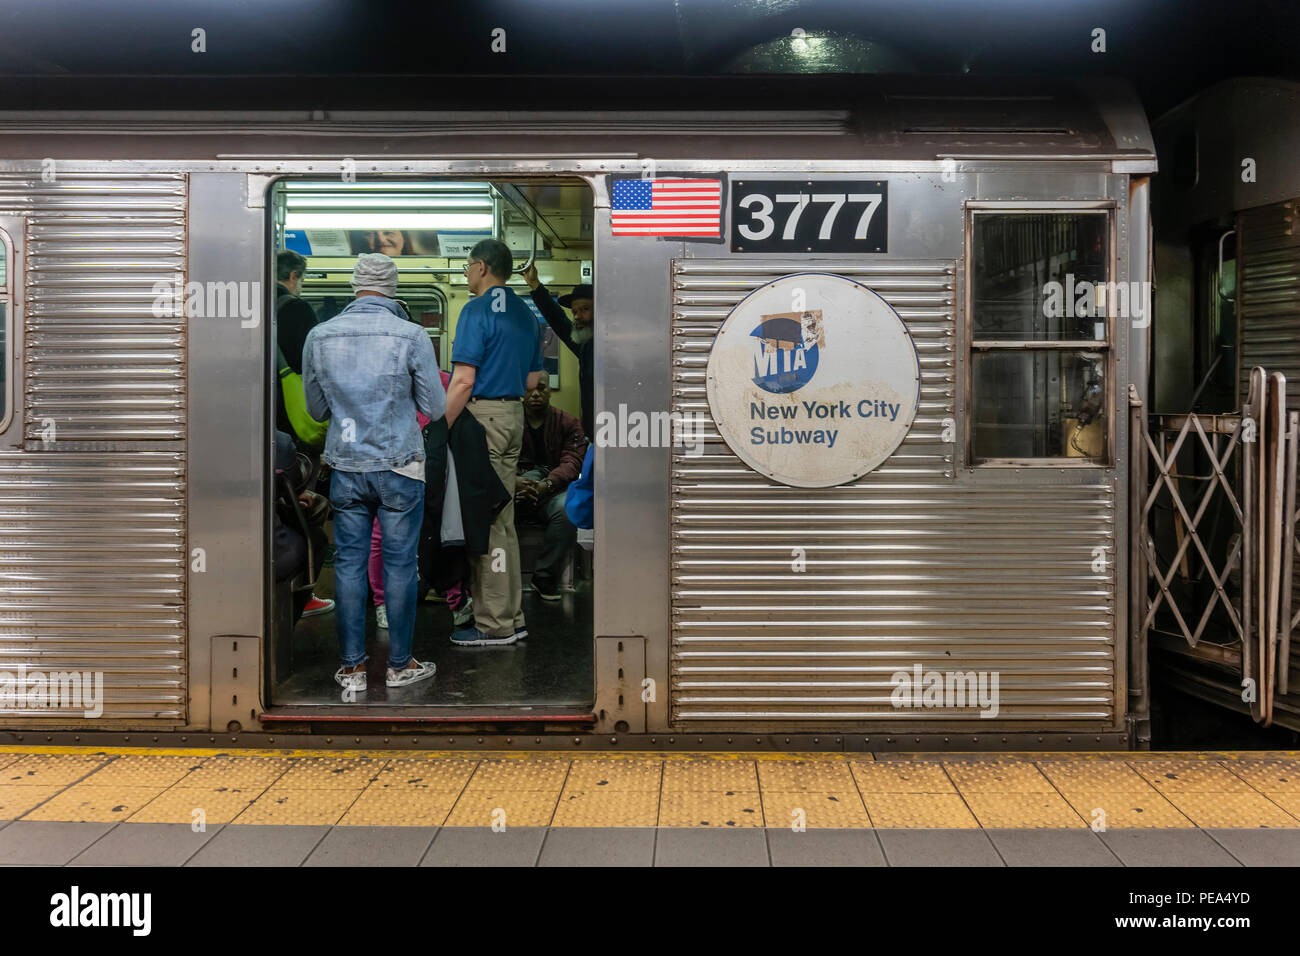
(552, 668)
(124, 807)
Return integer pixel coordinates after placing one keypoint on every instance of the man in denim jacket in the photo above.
(368, 370)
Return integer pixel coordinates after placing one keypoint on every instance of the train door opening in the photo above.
(429, 228)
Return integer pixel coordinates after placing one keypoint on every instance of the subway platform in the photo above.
(82, 806)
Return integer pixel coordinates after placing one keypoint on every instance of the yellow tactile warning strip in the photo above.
(433, 788)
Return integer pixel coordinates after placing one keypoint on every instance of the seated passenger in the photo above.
(551, 458)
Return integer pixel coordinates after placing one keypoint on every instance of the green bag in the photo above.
(309, 431)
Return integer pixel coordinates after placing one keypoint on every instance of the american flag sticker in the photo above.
(666, 207)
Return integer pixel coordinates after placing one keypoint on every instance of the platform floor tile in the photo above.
(508, 808)
(372, 846)
(15, 801)
(1023, 810)
(821, 776)
(86, 803)
(918, 810)
(1144, 809)
(132, 770)
(146, 844)
(710, 846)
(824, 847)
(1260, 847)
(1268, 776)
(1190, 776)
(519, 773)
(901, 776)
(938, 847)
(815, 809)
(481, 846)
(608, 808)
(1246, 810)
(725, 809)
(331, 773)
(597, 775)
(997, 776)
(593, 846)
(425, 774)
(50, 770)
(404, 807)
(1161, 847)
(35, 843)
(711, 774)
(259, 846)
(211, 806)
(1093, 775)
(1051, 848)
(237, 773)
(282, 806)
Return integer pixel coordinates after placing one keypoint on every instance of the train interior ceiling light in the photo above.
(316, 205)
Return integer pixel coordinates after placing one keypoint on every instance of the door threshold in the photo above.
(366, 713)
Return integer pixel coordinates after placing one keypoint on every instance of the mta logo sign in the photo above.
(784, 361)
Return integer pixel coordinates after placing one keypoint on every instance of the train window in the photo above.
(1040, 304)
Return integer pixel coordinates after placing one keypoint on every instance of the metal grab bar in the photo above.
(1222, 294)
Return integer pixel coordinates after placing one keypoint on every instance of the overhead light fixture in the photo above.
(370, 202)
(378, 219)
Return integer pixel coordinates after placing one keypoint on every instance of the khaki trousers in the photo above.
(495, 581)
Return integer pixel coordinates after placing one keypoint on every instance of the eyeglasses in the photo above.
(468, 263)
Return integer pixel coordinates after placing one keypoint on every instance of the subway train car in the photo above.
(863, 379)
(1227, 266)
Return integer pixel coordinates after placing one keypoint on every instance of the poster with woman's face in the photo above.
(394, 242)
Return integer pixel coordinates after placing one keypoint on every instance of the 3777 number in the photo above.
(773, 217)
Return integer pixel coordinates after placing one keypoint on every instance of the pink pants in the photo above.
(376, 567)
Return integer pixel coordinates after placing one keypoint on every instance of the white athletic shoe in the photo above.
(410, 675)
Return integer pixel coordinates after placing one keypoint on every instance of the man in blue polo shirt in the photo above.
(496, 359)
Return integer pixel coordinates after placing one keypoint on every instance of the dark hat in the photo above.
(583, 291)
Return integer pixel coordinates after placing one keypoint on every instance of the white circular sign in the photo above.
(813, 380)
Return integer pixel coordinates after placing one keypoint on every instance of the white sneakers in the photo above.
(407, 675)
(356, 681)
(410, 675)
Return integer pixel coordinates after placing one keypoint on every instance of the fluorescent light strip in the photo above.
(466, 203)
(374, 220)
(482, 189)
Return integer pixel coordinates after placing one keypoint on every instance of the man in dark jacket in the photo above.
(550, 460)
(294, 318)
(579, 335)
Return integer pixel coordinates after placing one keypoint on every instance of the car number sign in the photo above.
(771, 215)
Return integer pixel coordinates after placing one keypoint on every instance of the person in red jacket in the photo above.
(553, 447)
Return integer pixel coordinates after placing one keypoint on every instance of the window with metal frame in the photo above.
(1040, 302)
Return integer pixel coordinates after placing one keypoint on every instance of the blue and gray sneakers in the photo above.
(473, 637)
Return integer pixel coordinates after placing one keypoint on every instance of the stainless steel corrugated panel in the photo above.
(92, 574)
(92, 523)
(908, 565)
(1268, 309)
(100, 364)
(1268, 294)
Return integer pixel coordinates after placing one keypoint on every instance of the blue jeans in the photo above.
(398, 501)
